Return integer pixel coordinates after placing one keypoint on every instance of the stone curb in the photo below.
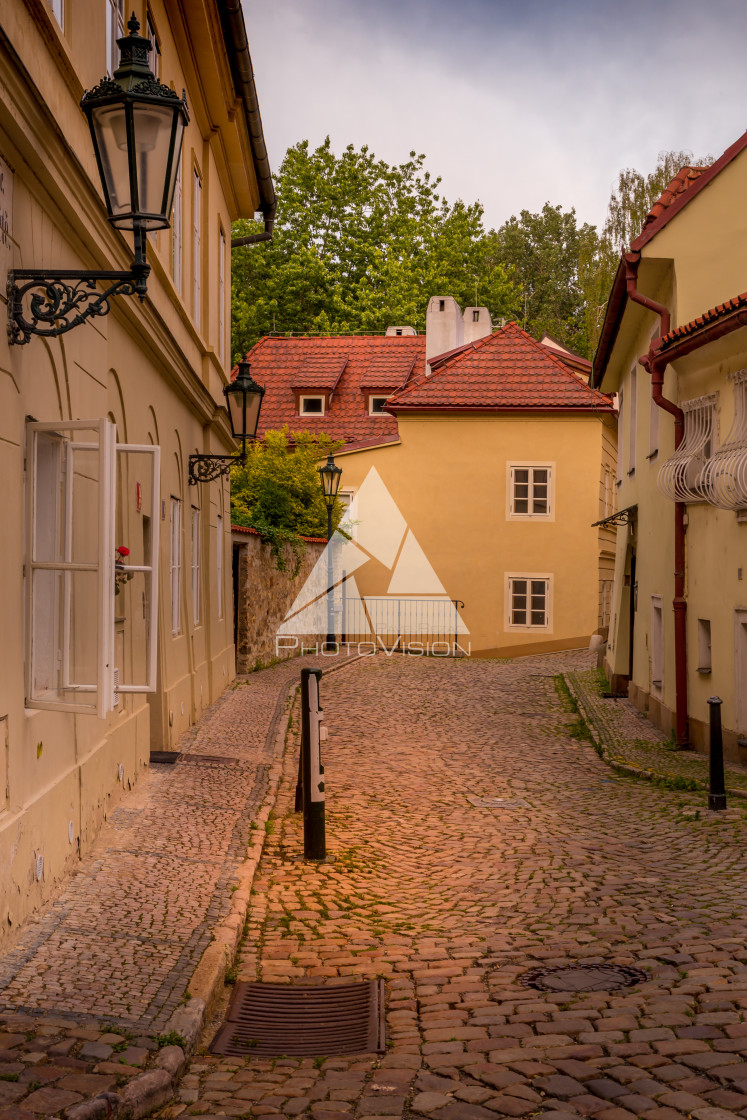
(154, 1088)
(627, 767)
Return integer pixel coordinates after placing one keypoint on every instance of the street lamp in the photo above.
(137, 126)
(329, 477)
(243, 401)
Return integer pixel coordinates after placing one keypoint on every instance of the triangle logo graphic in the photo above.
(415, 601)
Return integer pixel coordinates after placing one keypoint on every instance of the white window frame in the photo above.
(219, 562)
(196, 247)
(632, 420)
(222, 295)
(58, 11)
(115, 29)
(101, 690)
(653, 428)
(657, 644)
(704, 646)
(175, 563)
(528, 627)
(620, 434)
(531, 465)
(312, 397)
(177, 233)
(151, 34)
(376, 397)
(196, 546)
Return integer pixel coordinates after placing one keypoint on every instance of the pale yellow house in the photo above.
(102, 661)
(474, 463)
(674, 347)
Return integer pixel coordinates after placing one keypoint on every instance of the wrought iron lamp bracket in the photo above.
(60, 300)
(206, 468)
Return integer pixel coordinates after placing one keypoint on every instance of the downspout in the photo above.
(656, 367)
(243, 74)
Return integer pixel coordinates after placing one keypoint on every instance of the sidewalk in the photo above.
(631, 744)
(127, 957)
(453, 900)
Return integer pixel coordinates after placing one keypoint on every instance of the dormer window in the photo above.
(311, 406)
(376, 405)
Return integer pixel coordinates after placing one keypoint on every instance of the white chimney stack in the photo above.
(444, 327)
(477, 323)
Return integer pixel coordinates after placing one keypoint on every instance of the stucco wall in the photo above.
(263, 596)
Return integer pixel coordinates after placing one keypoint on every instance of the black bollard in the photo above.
(716, 789)
(314, 830)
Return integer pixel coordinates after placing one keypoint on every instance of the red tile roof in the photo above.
(506, 371)
(682, 181)
(721, 311)
(287, 365)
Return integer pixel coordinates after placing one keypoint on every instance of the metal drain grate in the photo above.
(297, 1020)
(583, 978)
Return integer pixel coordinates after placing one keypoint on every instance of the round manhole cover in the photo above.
(583, 978)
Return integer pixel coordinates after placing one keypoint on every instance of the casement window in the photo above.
(196, 251)
(75, 569)
(376, 405)
(219, 563)
(529, 605)
(58, 11)
(657, 644)
(177, 251)
(704, 645)
(175, 563)
(620, 432)
(529, 488)
(222, 296)
(154, 58)
(195, 566)
(632, 420)
(115, 29)
(311, 406)
(684, 476)
(653, 428)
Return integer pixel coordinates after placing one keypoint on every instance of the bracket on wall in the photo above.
(206, 468)
(622, 517)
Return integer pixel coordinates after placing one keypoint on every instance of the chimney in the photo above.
(477, 323)
(444, 327)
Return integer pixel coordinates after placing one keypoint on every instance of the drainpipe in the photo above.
(656, 368)
(243, 73)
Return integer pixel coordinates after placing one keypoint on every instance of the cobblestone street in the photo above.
(452, 901)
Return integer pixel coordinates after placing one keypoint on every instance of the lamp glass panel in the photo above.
(253, 405)
(235, 404)
(176, 160)
(110, 130)
(152, 129)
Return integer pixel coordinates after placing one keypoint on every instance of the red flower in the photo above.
(123, 550)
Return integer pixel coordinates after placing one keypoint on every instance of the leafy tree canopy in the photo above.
(359, 245)
(277, 491)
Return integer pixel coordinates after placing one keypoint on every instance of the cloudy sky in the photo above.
(514, 102)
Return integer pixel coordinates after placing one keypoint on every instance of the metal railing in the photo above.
(401, 623)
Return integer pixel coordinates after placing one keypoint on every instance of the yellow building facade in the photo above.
(503, 461)
(97, 426)
(674, 331)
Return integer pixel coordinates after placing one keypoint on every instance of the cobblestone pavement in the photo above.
(92, 981)
(627, 737)
(452, 901)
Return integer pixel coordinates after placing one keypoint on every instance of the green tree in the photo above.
(360, 244)
(277, 491)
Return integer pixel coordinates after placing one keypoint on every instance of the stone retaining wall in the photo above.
(263, 595)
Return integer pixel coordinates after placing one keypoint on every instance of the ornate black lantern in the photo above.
(329, 477)
(137, 125)
(243, 401)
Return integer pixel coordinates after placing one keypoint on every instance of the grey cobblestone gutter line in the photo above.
(608, 731)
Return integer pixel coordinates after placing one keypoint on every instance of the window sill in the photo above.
(703, 670)
(631, 472)
(653, 454)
